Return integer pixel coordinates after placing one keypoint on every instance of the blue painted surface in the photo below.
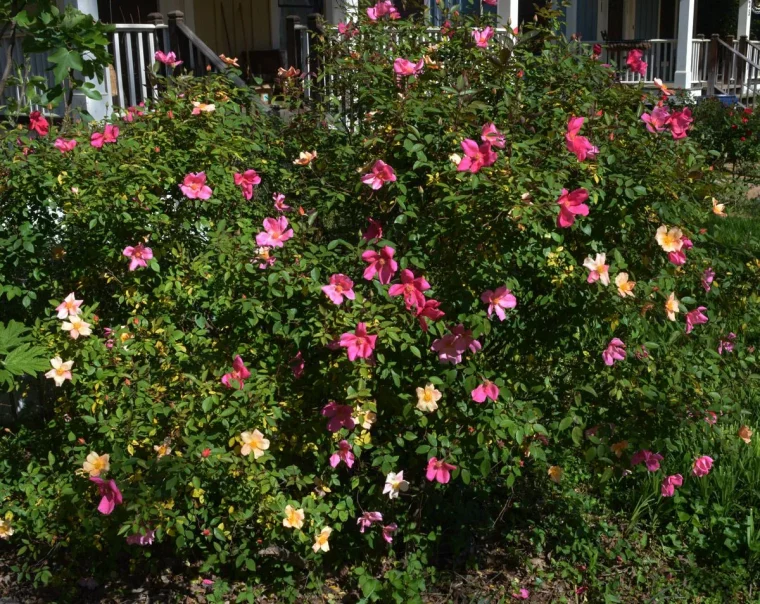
(586, 25)
(647, 16)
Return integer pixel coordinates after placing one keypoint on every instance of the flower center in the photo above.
(60, 371)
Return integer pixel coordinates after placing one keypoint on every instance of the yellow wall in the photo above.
(247, 25)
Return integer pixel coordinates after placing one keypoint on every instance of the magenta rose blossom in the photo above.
(339, 286)
(238, 374)
(276, 232)
(702, 466)
(339, 416)
(110, 493)
(615, 351)
(359, 344)
(194, 186)
(669, 484)
(246, 181)
(439, 470)
(651, 460)
(381, 264)
(411, 288)
(379, 175)
(486, 390)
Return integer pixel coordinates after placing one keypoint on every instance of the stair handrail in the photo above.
(177, 22)
(187, 36)
(736, 52)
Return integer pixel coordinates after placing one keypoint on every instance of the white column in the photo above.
(342, 10)
(571, 19)
(684, 54)
(745, 17)
(97, 109)
(507, 12)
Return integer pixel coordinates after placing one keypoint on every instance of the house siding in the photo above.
(586, 25)
(231, 27)
(647, 17)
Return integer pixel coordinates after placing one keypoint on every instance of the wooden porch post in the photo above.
(745, 18)
(741, 68)
(507, 10)
(685, 47)
(712, 64)
(315, 32)
(178, 43)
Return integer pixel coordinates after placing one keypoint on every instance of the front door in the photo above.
(615, 20)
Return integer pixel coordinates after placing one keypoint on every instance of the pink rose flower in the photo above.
(695, 317)
(246, 181)
(634, 62)
(669, 484)
(615, 351)
(476, 157)
(339, 286)
(374, 231)
(482, 36)
(380, 174)
(429, 310)
(238, 374)
(651, 460)
(411, 288)
(276, 232)
(570, 205)
(194, 186)
(65, 145)
(38, 123)
(489, 134)
(381, 264)
(702, 466)
(339, 416)
(367, 519)
(486, 390)
(110, 493)
(406, 68)
(498, 301)
(139, 255)
(359, 344)
(343, 454)
(579, 145)
(168, 58)
(439, 470)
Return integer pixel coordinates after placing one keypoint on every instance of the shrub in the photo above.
(731, 131)
(239, 465)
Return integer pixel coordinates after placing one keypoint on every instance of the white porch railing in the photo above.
(699, 56)
(659, 55)
(29, 66)
(133, 47)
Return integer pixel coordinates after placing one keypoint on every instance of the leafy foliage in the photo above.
(21, 357)
(75, 44)
(530, 466)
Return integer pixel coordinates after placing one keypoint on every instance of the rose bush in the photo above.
(366, 338)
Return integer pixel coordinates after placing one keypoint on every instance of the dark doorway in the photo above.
(615, 20)
(126, 11)
(667, 19)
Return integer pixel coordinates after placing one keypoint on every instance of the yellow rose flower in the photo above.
(95, 464)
